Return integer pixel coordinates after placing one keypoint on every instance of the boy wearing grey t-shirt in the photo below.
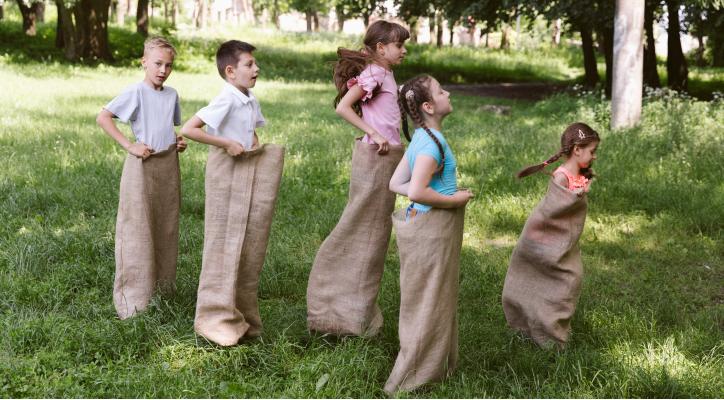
(146, 245)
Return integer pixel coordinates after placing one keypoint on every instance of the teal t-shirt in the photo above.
(422, 143)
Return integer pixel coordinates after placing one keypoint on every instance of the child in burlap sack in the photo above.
(345, 278)
(543, 281)
(150, 192)
(242, 182)
(429, 237)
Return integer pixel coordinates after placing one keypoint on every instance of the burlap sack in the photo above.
(345, 278)
(544, 277)
(146, 230)
(429, 246)
(240, 196)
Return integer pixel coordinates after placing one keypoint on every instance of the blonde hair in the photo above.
(157, 42)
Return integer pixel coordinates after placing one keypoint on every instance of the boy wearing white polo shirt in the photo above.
(242, 181)
(150, 198)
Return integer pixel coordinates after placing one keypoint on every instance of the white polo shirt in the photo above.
(233, 115)
(151, 113)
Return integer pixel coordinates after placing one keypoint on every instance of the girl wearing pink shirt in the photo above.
(345, 278)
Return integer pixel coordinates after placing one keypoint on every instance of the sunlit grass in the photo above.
(648, 323)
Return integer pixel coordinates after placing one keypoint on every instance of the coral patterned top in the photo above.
(579, 182)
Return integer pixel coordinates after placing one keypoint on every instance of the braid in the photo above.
(539, 167)
(576, 134)
(410, 96)
(403, 117)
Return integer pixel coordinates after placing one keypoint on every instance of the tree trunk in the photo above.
(366, 19)
(121, 12)
(590, 65)
(275, 14)
(651, 75)
(716, 35)
(59, 42)
(675, 61)
(308, 16)
(98, 29)
(438, 23)
(2, 10)
(504, 43)
(142, 18)
(29, 17)
(67, 32)
(414, 21)
(174, 12)
(431, 23)
(605, 40)
(627, 63)
(556, 34)
(340, 23)
(452, 32)
(315, 21)
(39, 11)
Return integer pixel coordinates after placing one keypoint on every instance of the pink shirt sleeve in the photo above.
(370, 78)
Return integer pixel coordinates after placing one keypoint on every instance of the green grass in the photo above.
(649, 322)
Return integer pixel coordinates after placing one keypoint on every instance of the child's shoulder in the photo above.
(373, 69)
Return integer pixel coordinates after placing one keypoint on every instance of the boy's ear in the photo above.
(428, 108)
(229, 71)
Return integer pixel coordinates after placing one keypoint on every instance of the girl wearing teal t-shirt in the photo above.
(426, 174)
(429, 238)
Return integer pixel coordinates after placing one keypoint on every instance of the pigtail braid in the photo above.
(403, 117)
(539, 167)
(410, 97)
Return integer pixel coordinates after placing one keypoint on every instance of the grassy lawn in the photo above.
(649, 322)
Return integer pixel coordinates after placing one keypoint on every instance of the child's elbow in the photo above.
(100, 118)
(414, 195)
(340, 109)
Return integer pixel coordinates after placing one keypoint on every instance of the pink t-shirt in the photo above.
(381, 111)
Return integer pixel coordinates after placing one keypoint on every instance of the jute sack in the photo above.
(240, 196)
(146, 230)
(429, 246)
(544, 276)
(345, 278)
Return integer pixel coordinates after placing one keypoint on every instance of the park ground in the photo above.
(651, 315)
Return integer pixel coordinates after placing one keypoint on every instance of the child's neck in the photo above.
(382, 63)
(152, 85)
(434, 122)
(240, 88)
(571, 166)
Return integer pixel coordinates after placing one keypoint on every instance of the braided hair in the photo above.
(351, 63)
(576, 134)
(413, 94)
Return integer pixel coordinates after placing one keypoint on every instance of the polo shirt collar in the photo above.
(238, 93)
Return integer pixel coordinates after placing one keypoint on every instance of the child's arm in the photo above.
(344, 109)
(105, 121)
(419, 190)
(192, 130)
(400, 180)
(255, 144)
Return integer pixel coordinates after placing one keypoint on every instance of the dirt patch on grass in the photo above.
(514, 91)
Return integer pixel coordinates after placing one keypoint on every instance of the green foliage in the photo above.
(648, 323)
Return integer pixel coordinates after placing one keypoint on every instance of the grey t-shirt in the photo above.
(151, 113)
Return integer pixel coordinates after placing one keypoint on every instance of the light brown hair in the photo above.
(576, 134)
(351, 63)
(413, 94)
(157, 42)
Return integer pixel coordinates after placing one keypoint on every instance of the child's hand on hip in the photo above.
(463, 196)
(381, 142)
(234, 148)
(140, 150)
(180, 144)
